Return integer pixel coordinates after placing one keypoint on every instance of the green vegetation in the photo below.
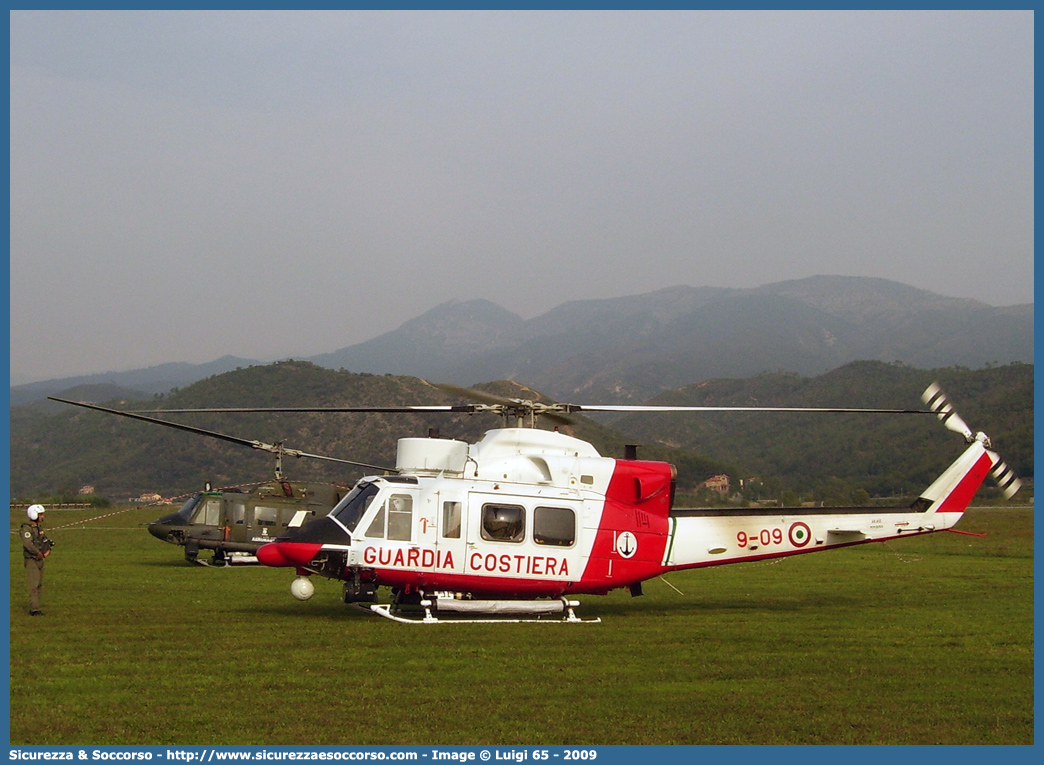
(828, 458)
(923, 641)
(56, 448)
(832, 459)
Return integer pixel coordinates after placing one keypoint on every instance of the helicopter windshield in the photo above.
(350, 509)
(190, 504)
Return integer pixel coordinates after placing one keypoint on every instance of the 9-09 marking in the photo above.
(764, 537)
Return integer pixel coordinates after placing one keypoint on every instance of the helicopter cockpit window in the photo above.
(209, 513)
(190, 505)
(350, 509)
(376, 527)
(554, 526)
(451, 520)
(503, 523)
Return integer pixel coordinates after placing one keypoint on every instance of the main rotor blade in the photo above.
(651, 408)
(547, 410)
(464, 408)
(273, 448)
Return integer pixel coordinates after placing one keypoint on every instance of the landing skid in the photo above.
(534, 608)
(233, 559)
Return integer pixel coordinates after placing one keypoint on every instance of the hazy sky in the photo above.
(186, 185)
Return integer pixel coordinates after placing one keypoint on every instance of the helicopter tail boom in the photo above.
(711, 537)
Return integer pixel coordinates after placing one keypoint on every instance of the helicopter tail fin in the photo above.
(953, 491)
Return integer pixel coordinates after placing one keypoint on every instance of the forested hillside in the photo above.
(57, 448)
(828, 457)
(832, 454)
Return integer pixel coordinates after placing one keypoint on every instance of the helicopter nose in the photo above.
(161, 528)
(297, 547)
(288, 554)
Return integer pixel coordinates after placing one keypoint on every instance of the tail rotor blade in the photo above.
(1005, 477)
(940, 404)
(937, 401)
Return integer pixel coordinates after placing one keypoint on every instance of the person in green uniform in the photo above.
(36, 548)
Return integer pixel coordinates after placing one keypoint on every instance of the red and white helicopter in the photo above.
(524, 520)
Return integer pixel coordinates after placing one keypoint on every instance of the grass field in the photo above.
(924, 641)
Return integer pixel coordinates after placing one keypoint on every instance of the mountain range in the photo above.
(632, 348)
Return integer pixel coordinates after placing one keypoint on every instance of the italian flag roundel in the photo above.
(799, 534)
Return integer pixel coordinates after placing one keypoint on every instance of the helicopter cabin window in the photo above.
(503, 523)
(451, 520)
(209, 513)
(238, 513)
(352, 508)
(265, 516)
(394, 519)
(554, 526)
(400, 517)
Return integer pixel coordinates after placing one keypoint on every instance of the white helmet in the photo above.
(35, 511)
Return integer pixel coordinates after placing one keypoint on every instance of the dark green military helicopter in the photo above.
(236, 522)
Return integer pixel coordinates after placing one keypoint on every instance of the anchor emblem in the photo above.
(626, 544)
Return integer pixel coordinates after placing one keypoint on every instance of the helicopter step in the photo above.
(446, 603)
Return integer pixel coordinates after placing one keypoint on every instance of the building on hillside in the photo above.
(86, 489)
(718, 483)
(150, 497)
